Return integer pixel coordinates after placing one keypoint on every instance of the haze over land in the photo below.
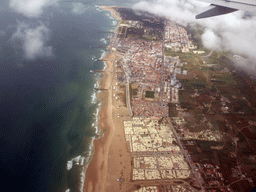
(234, 32)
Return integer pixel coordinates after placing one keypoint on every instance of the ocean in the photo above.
(48, 104)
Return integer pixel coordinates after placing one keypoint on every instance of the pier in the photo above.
(100, 89)
(99, 71)
(100, 47)
(106, 32)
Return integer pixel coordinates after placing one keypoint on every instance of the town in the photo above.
(191, 125)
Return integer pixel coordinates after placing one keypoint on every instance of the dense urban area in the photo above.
(191, 123)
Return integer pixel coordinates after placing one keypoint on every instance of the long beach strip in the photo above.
(97, 170)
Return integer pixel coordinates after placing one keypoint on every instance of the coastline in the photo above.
(96, 172)
(113, 12)
(148, 151)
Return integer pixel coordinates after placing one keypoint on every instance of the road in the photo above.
(210, 54)
(162, 68)
(128, 100)
(185, 154)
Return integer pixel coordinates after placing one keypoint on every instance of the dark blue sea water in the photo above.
(48, 107)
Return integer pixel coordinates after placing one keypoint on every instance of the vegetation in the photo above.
(134, 92)
(190, 57)
(150, 94)
(172, 110)
(196, 32)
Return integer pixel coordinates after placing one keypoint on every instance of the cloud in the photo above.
(33, 40)
(181, 10)
(211, 40)
(78, 8)
(31, 8)
(230, 32)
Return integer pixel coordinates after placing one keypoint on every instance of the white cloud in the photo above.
(182, 10)
(211, 40)
(33, 40)
(226, 32)
(78, 8)
(31, 8)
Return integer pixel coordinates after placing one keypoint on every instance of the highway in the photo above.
(185, 154)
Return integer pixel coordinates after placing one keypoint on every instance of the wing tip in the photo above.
(215, 10)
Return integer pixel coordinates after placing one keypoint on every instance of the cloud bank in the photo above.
(231, 32)
(33, 40)
(31, 8)
(181, 10)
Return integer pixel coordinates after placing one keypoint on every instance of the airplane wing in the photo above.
(220, 7)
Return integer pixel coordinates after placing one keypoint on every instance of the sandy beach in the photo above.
(98, 171)
(113, 12)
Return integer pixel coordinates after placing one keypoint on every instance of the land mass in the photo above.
(174, 116)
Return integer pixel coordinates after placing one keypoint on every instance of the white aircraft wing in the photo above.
(220, 7)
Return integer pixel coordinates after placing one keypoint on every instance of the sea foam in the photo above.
(94, 96)
(94, 58)
(85, 159)
(103, 40)
(103, 54)
(114, 23)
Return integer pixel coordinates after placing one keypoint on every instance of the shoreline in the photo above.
(112, 11)
(96, 172)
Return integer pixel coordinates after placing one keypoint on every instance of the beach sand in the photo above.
(111, 160)
(113, 12)
(96, 171)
